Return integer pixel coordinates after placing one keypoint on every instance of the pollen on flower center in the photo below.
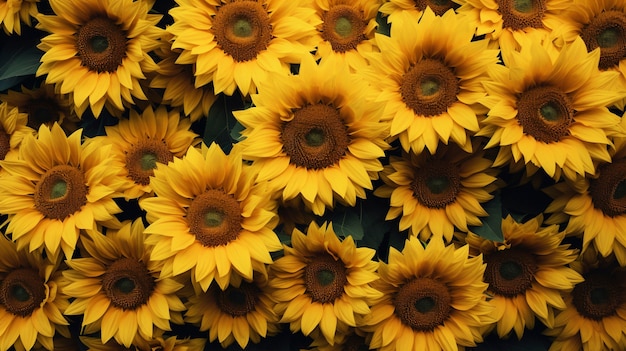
(128, 283)
(101, 44)
(238, 301)
(143, 157)
(607, 31)
(510, 272)
(22, 291)
(598, 296)
(436, 184)
(423, 304)
(521, 14)
(439, 7)
(429, 88)
(343, 27)
(242, 29)
(60, 192)
(325, 278)
(608, 190)
(5, 144)
(545, 113)
(316, 137)
(214, 218)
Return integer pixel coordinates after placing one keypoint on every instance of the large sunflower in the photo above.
(116, 287)
(13, 129)
(323, 284)
(57, 187)
(432, 82)
(392, 8)
(527, 273)
(434, 194)
(238, 44)
(145, 139)
(31, 304)
(433, 299)
(98, 50)
(209, 216)
(549, 111)
(14, 12)
(314, 136)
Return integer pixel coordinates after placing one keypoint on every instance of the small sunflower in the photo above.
(145, 139)
(31, 304)
(527, 273)
(432, 84)
(354, 339)
(433, 299)
(238, 44)
(98, 50)
(314, 136)
(57, 187)
(15, 12)
(116, 287)
(434, 194)
(209, 216)
(549, 111)
(13, 129)
(239, 313)
(391, 8)
(322, 284)
(160, 343)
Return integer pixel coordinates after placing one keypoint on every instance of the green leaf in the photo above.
(221, 122)
(19, 60)
(347, 223)
(373, 212)
(383, 26)
(492, 224)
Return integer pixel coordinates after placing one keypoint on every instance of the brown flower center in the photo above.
(238, 301)
(436, 184)
(101, 44)
(510, 272)
(521, 14)
(128, 283)
(355, 343)
(429, 88)
(439, 7)
(242, 29)
(214, 218)
(545, 113)
(598, 296)
(42, 111)
(60, 192)
(608, 191)
(607, 31)
(343, 27)
(5, 143)
(316, 137)
(22, 291)
(423, 304)
(142, 159)
(325, 278)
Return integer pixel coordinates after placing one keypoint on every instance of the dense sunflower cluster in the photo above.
(283, 175)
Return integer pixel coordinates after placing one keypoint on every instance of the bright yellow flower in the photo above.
(98, 50)
(322, 284)
(13, 130)
(209, 217)
(14, 12)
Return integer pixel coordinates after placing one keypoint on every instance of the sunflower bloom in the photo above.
(98, 51)
(527, 273)
(433, 80)
(161, 343)
(238, 44)
(116, 287)
(433, 299)
(392, 8)
(31, 304)
(57, 187)
(209, 217)
(549, 111)
(314, 136)
(434, 194)
(13, 129)
(15, 12)
(322, 284)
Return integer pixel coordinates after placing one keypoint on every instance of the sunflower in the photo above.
(238, 44)
(347, 31)
(595, 315)
(314, 136)
(161, 343)
(391, 8)
(209, 216)
(433, 299)
(433, 79)
(322, 284)
(57, 187)
(117, 289)
(354, 339)
(434, 194)
(14, 12)
(238, 313)
(13, 130)
(31, 304)
(549, 111)
(145, 139)
(527, 273)
(43, 106)
(98, 50)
